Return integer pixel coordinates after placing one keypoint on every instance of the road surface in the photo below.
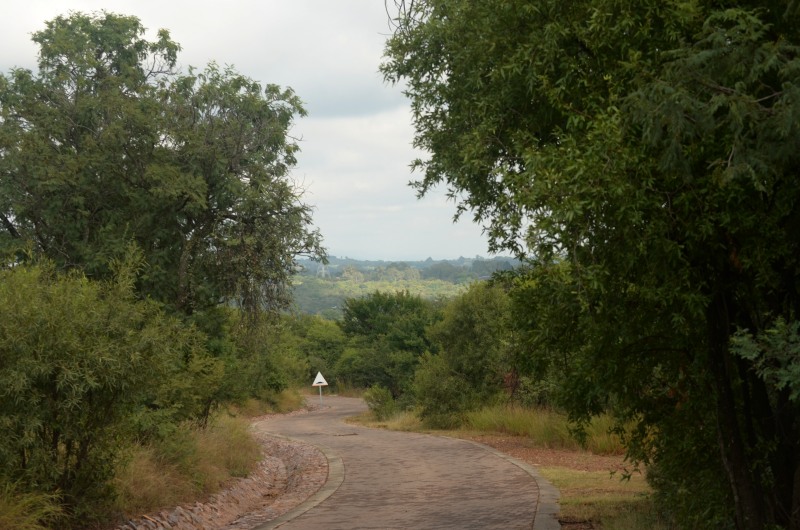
(380, 479)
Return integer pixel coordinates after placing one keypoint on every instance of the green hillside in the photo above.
(321, 289)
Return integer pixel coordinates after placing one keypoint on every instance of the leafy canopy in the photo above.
(107, 144)
(652, 148)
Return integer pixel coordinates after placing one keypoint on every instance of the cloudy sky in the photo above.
(356, 141)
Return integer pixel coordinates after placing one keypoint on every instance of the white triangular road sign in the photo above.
(320, 381)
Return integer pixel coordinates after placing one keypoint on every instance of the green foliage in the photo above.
(386, 337)
(149, 193)
(474, 359)
(643, 155)
(316, 342)
(106, 144)
(442, 398)
(380, 402)
(79, 359)
(474, 340)
(28, 511)
(775, 355)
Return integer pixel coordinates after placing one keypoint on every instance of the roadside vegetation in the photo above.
(189, 464)
(194, 462)
(641, 159)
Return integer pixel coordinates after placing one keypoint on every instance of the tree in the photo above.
(107, 144)
(387, 335)
(320, 342)
(653, 146)
(474, 338)
(475, 356)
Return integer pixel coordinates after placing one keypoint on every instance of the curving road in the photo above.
(381, 479)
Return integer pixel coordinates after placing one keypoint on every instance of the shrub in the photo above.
(79, 359)
(28, 511)
(442, 397)
(380, 402)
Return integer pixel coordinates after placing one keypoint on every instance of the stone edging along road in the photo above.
(384, 479)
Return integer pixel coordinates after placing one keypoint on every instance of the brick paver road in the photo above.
(381, 479)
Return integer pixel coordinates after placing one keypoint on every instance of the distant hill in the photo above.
(321, 289)
(454, 270)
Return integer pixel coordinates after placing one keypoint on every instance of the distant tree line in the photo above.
(323, 289)
(455, 271)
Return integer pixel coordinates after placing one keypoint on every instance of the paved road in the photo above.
(381, 479)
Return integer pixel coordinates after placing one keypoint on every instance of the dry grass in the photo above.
(192, 464)
(546, 428)
(600, 499)
(146, 482)
(345, 389)
(284, 401)
(405, 421)
(287, 400)
(27, 511)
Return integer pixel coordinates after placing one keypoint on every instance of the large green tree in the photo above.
(653, 146)
(108, 144)
(475, 359)
(387, 336)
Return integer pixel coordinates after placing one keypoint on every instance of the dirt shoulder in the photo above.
(591, 486)
(543, 457)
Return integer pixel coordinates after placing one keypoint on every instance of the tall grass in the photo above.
(191, 463)
(601, 498)
(27, 511)
(403, 420)
(545, 428)
(283, 401)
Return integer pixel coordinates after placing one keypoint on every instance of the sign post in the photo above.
(320, 382)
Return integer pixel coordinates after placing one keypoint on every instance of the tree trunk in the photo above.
(184, 302)
(748, 503)
(794, 516)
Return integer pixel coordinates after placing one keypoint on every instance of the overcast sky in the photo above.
(356, 141)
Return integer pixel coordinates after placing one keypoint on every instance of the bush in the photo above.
(442, 397)
(80, 358)
(380, 402)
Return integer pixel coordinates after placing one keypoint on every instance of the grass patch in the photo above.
(189, 464)
(287, 400)
(545, 428)
(406, 421)
(283, 401)
(605, 499)
(345, 389)
(28, 511)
